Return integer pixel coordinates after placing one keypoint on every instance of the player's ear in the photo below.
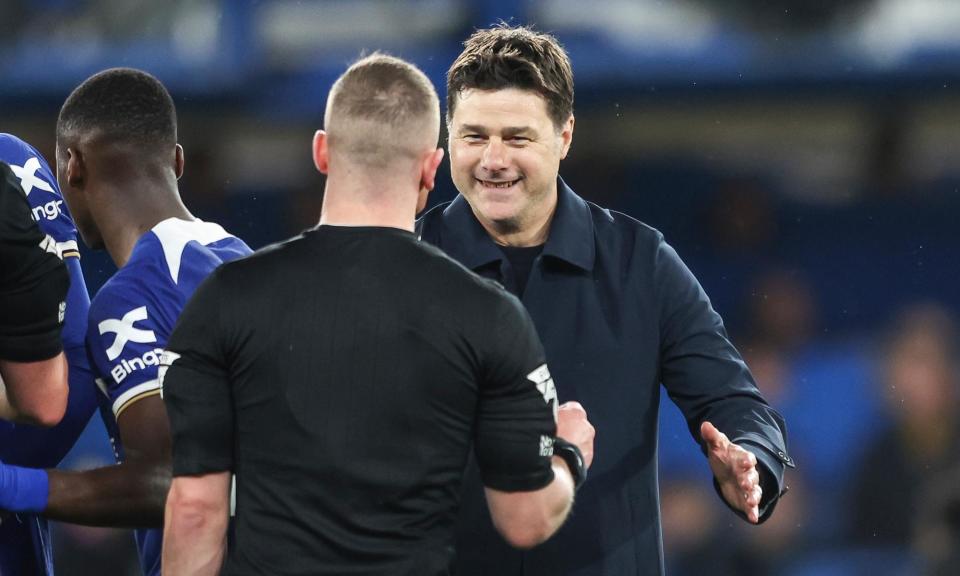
(178, 161)
(321, 155)
(76, 170)
(428, 176)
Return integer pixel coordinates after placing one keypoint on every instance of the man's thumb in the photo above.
(711, 435)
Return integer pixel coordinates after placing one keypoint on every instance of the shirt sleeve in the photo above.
(707, 378)
(34, 282)
(128, 329)
(516, 419)
(196, 387)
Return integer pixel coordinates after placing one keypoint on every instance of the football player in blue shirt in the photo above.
(118, 162)
(25, 540)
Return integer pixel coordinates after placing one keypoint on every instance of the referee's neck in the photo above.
(358, 213)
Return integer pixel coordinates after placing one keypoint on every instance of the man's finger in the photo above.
(572, 406)
(752, 504)
(743, 465)
(716, 439)
(750, 479)
(748, 461)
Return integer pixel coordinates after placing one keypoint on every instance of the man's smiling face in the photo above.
(505, 155)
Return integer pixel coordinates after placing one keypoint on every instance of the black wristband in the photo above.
(574, 459)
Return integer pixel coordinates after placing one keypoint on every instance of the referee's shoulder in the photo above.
(260, 261)
(454, 283)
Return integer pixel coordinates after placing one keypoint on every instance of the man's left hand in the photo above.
(735, 470)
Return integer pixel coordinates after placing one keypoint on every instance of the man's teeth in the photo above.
(499, 184)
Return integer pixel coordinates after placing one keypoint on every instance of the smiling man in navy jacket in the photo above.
(618, 311)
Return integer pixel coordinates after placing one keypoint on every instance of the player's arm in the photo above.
(130, 494)
(34, 392)
(33, 290)
(519, 439)
(195, 530)
(43, 447)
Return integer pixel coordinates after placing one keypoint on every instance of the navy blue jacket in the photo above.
(619, 314)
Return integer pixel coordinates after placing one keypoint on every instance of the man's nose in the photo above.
(494, 155)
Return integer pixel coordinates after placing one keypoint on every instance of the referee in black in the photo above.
(33, 292)
(344, 375)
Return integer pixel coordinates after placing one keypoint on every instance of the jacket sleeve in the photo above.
(707, 378)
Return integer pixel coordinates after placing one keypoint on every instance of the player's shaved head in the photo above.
(120, 105)
(382, 109)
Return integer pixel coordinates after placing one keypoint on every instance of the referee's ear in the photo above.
(428, 169)
(321, 157)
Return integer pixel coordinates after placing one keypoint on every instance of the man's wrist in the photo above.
(23, 489)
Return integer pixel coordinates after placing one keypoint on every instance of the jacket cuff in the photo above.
(771, 468)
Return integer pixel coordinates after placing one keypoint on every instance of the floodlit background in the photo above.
(803, 157)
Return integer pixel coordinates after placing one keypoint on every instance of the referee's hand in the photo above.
(573, 426)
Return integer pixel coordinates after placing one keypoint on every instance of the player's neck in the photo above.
(132, 214)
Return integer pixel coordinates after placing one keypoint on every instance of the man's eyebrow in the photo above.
(472, 128)
(507, 131)
(517, 130)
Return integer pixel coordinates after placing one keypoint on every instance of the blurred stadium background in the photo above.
(802, 156)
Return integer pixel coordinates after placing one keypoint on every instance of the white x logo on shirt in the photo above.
(126, 332)
(28, 176)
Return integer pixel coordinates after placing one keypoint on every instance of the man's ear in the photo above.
(567, 136)
(428, 177)
(178, 161)
(76, 171)
(321, 155)
(428, 169)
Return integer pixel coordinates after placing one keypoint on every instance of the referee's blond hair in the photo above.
(382, 110)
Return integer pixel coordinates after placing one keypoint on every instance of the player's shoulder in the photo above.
(39, 185)
(144, 279)
(175, 245)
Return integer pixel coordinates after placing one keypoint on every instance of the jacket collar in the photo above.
(571, 236)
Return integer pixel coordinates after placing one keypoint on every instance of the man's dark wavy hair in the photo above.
(514, 57)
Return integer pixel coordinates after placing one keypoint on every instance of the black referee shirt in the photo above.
(342, 376)
(33, 280)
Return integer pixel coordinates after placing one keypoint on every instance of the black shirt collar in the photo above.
(570, 239)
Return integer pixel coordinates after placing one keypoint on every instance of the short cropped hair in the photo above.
(121, 104)
(514, 57)
(382, 107)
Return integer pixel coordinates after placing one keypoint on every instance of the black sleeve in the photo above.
(195, 386)
(33, 280)
(516, 419)
(707, 378)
